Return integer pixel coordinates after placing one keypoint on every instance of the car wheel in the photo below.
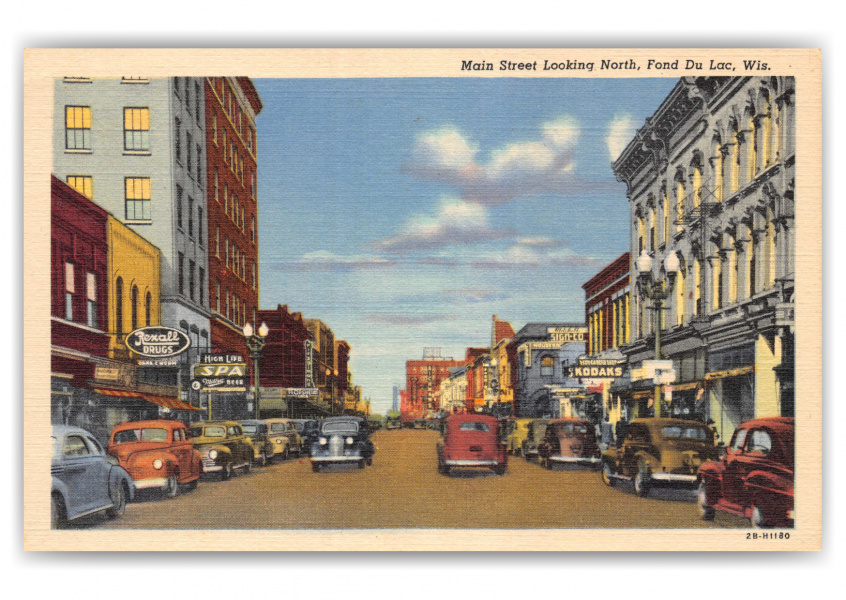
(171, 487)
(57, 512)
(192, 485)
(500, 469)
(286, 453)
(706, 513)
(518, 452)
(370, 461)
(362, 463)
(758, 519)
(249, 466)
(608, 474)
(642, 481)
(120, 503)
(226, 473)
(263, 459)
(315, 467)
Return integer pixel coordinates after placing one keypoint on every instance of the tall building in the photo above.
(711, 177)
(232, 105)
(422, 380)
(136, 147)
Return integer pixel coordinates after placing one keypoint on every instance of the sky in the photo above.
(404, 213)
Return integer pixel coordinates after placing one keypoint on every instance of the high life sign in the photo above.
(157, 342)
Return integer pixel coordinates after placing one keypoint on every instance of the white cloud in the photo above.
(445, 148)
(329, 261)
(621, 130)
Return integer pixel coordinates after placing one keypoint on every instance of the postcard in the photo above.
(431, 299)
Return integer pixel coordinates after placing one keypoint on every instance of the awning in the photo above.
(595, 389)
(730, 373)
(165, 401)
(643, 394)
(683, 387)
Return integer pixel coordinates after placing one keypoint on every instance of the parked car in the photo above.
(157, 454)
(472, 440)
(222, 446)
(569, 440)
(86, 479)
(342, 440)
(263, 448)
(534, 435)
(755, 477)
(374, 424)
(393, 423)
(310, 434)
(518, 429)
(666, 451)
(285, 437)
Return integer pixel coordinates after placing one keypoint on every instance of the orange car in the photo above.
(157, 454)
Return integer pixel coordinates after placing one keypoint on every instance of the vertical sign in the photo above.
(309, 382)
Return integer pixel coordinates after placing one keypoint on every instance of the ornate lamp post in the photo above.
(255, 342)
(657, 290)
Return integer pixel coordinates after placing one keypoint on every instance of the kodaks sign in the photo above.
(157, 342)
(597, 368)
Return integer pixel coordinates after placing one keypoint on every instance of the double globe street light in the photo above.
(657, 289)
(255, 342)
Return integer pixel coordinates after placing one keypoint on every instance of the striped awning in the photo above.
(683, 387)
(165, 401)
(730, 373)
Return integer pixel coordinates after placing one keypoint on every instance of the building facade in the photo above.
(711, 177)
(423, 377)
(136, 147)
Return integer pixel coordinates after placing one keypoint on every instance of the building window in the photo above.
(190, 216)
(197, 101)
(199, 163)
(200, 225)
(217, 241)
(226, 251)
(78, 127)
(253, 230)
(179, 206)
(91, 300)
(227, 304)
(136, 129)
(214, 128)
(70, 290)
(137, 198)
(178, 140)
(134, 299)
(148, 307)
(176, 86)
(202, 285)
(254, 275)
(84, 184)
(217, 296)
(547, 364)
(216, 190)
(188, 142)
(191, 266)
(119, 306)
(188, 95)
(180, 273)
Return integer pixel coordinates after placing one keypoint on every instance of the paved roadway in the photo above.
(402, 489)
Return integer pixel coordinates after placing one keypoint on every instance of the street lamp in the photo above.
(255, 342)
(658, 290)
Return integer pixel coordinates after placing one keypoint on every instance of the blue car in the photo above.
(342, 440)
(86, 480)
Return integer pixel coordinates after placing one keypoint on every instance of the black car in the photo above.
(310, 433)
(342, 440)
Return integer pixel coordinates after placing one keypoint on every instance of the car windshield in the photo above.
(215, 431)
(568, 428)
(299, 425)
(249, 429)
(141, 435)
(686, 433)
(474, 426)
(340, 427)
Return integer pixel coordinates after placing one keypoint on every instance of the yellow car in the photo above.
(518, 431)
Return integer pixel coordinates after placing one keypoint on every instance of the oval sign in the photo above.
(157, 342)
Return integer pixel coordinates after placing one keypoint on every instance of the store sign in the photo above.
(157, 342)
(220, 377)
(564, 335)
(309, 346)
(597, 368)
(221, 358)
(299, 392)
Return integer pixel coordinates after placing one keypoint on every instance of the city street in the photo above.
(402, 489)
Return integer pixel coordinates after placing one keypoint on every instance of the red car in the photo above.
(157, 454)
(754, 479)
(471, 440)
(569, 440)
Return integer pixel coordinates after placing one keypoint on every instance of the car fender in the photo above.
(651, 461)
(119, 476)
(59, 487)
(223, 452)
(769, 482)
(171, 463)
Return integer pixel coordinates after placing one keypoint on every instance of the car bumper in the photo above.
(336, 458)
(674, 478)
(153, 482)
(585, 460)
(472, 463)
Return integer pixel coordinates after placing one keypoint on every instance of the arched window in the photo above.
(680, 193)
(731, 270)
(735, 162)
(697, 287)
(753, 126)
(134, 307)
(718, 162)
(717, 280)
(547, 365)
(681, 293)
(771, 250)
(752, 269)
(696, 180)
(665, 211)
(652, 225)
(148, 307)
(119, 306)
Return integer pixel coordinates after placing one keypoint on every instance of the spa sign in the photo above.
(157, 342)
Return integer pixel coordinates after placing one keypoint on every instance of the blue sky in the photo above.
(405, 212)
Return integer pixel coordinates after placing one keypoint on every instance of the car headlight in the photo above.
(278, 441)
(349, 440)
(212, 454)
(157, 464)
(322, 441)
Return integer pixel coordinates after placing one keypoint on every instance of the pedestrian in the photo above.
(607, 433)
(620, 430)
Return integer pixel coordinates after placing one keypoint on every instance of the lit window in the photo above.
(137, 198)
(547, 364)
(91, 300)
(134, 299)
(78, 127)
(70, 290)
(84, 184)
(136, 129)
